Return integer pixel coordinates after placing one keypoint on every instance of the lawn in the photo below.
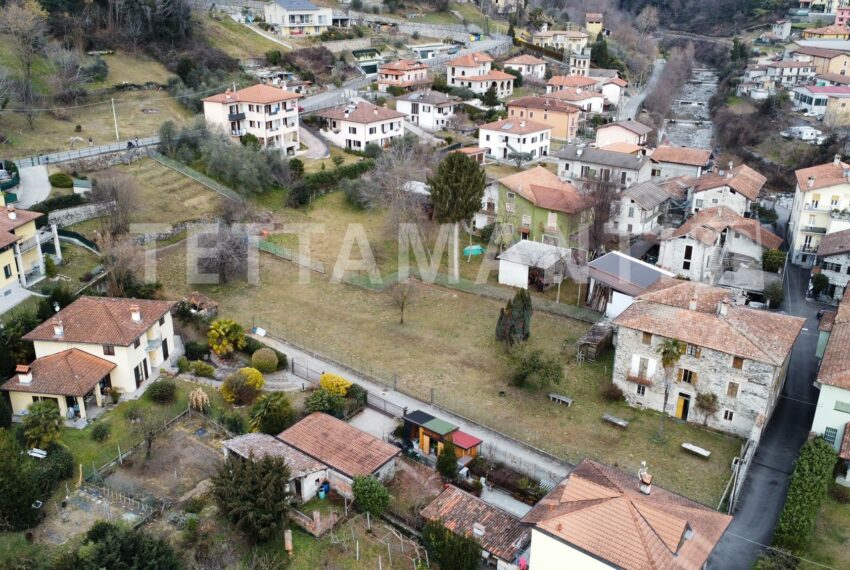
(235, 39)
(76, 262)
(829, 545)
(125, 67)
(311, 165)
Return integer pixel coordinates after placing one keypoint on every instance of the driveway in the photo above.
(374, 423)
(316, 147)
(34, 188)
(763, 494)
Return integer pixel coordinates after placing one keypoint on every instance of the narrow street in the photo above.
(632, 107)
(763, 494)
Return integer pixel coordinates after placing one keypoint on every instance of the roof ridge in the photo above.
(634, 513)
(747, 338)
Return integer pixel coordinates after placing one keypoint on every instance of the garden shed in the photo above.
(532, 264)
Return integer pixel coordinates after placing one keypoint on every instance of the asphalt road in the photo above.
(763, 494)
(632, 107)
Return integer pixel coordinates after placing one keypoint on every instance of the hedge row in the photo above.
(810, 482)
(326, 178)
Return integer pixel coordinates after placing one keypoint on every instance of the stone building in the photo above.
(737, 353)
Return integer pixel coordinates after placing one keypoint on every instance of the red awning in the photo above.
(464, 440)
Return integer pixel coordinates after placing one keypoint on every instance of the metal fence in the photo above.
(85, 152)
(194, 175)
(289, 255)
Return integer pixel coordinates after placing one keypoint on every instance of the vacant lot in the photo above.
(235, 39)
(129, 68)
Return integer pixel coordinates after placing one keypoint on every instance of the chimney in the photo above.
(478, 530)
(722, 308)
(645, 479)
(10, 211)
(731, 165)
(728, 175)
(837, 160)
(58, 328)
(579, 151)
(810, 182)
(692, 304)
(135, 314)
(24, 374)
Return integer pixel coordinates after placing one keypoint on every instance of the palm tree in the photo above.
(271, 414)
(671, 350)
(43, 424)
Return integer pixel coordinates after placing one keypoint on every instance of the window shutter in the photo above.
(699, 352)
(679, 375)
(694, 378)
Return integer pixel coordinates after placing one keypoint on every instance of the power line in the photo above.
(780, 551)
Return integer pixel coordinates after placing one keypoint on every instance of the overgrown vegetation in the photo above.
(450, 550)
(114, 545)
(370, 495)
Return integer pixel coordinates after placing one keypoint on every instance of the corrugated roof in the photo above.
(625, 273)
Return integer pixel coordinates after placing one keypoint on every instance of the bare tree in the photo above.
(24, 26)
(601, 197)
(400, 293)
(66, 74)
(121, 257)
(520, 158)
(226, 252)
(647, 20)
(120, 192)
(149, 424)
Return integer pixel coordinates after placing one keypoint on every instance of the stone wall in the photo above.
(348, 45)
(77, 214)
(758, 383)
(103, 161)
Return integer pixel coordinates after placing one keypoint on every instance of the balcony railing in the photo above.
(236, 116)
(237, 132)
(637, 379)
(809, 249)
(154, 343)
(813, 229)
(843, 215)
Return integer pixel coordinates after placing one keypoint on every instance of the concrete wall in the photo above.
(826, 416)
(838, 278)
(310, 484)
(339, 46)
(672, 257)
(672, 170)
(722, 196)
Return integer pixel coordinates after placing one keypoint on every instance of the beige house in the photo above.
(299, 17)
(474, 71)
(824, 60)
(527, 65)
(630, 132)
(573, 41)
(267, 112)
(405, 74)
(593, 23)
(561, 116)
(564, 82)
(356, 125)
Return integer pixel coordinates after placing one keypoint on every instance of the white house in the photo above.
(92, 346)
(587, 100)
(788, 73)
(489, 207)
(834, 262)
(264, 111)
(628, 132)
(404, 74)
(508, 136)
(814, 98)
(527, 65)
(616, 279)
(736, 188)
(430, 110)
(674, 161)
(356, 125)
(532, 264)
(639, 208)
(600, 517)
(299, 17)
(474, 71)
(588, 164)
(613, 89)
(564, 82)
(713, 241)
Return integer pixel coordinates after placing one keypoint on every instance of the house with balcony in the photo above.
(737, 353)
(573, 41)
(527, 65)
(737, 188)
(821, 206)
(790, 73)
(560, 116)
(508, 137)
(21, 254)
(639, 209)
(300, 18)
(537, 205)
(429, 110)
(713, 242)
(356, 125)
(833, 261)
(474, 72)
(587, 165)
(265, 111)
(587, 100)
(563, 82)
(823, 59)
(403, 74)
(91, 347)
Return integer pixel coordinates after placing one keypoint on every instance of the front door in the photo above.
(682, 406)
(147, 373)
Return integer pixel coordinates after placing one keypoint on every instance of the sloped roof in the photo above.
(575, 94)
(261, 93)
(401, 66)
(822, 176)
(339, 445)
(742, 179)
(10, 219)
(633, 126)
(261, 445)
(663, 309)
(524, 59)
(835, 366)
(435, 98)
(515, 126)
(102, 320)
(682, 155)
(625, 273)
(624, 147)
(834, 243)
(534, 254)
(706, 226)
(68, 373)
(545, 103)
(834, 78)
(647, 194)
(571, 81)
(832, 29)
(543, 188)
(471, 60)
(818, 52)
(360, 112)
(492, 75)
(459, 511)
(600, 510)
(592, 155)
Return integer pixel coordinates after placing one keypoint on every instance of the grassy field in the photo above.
(311, 166)
(234, 39)
(830, 540)
(132, 68)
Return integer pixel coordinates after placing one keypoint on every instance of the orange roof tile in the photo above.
(617, 81)
(492, 75)
(742, 179)
(627, 148)
(571, 81)
(471, 60)
(67, 373)
(822, 175)
(543, 188)
(572, 94)
(545, 103)
(11, 219)
(600, 510)
(401, 66)
(362, 112)
(835, 365)
(515, 126)
(524, 59)
(682, 155)
(706, 226)
(260, 93)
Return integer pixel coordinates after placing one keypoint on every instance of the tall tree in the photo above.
(456, 192)
(514, 323)
(671, 350)
(24, 23)
(43, 424)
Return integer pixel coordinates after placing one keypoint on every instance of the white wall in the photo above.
(384, 132)
(723, 196)
(671, 256)
(612, 93)
(672, 170)
(548, 553)
(538, 71)
(513, 274)
(310, 484)
(826, 416)
(429, 117)
(501, 144)
(616, 134)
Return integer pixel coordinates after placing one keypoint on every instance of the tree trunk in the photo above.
(456, 254)
(664, 409)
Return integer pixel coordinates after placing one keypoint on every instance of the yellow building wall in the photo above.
(839, 64)
(593, 30)
(837, 112)
(21, 401)
(8, 258)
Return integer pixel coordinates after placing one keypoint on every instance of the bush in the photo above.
(357, 395)
(234, 422)
(225, 336)
(335, 384)
(772, 260)
(197, 350)
(536, 369)
(203, 369)
(370, 495)
(774, 294)
(61, 180)
(59, 463)
(840, 494)
(613, 393)
(447, 462)
(133, 411)
(199, 400)
(49, 266)
(820, 282)
(5, 412)
(242, 386)
(183, 365)
(810, 482)
(264, 360)
(100, 431)
(113, 545)
(162, 392)
(194, 505)
(450, 550)
(271, 413)
(324, 401)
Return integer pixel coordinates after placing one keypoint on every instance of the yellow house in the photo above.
(837, 112)
(561, 116)
(135, 335)
(593, 24)
(824, 60)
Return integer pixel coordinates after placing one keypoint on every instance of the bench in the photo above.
(559, 399)
(696, 450)
(613, 420)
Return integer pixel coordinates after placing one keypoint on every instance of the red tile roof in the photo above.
(260, 93)
(361, 112)
(543, 188)
(834, 243)
(822, 176)
(742, 179)
(464, 440)
(544, 103)
(515, 126)
(102, 320)
(682, 155)
(11, 219)
(459, 511)
(706, 226)
(338, 445)
(67, 373)
(524, 59)
(835, 365)
(601, 511)
(471, 60)
(401, 66)
(492, 75)
(571, 81)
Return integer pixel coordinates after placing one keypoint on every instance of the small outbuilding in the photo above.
(532, 264)
(429, 434)
(616, 279)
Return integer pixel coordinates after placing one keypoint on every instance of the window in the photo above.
(688, 376)
(136, 343)
(829, 434)
(631, 212)
(737, 362)
(373, 130)
(641, 390)
(834, 201)
(352, 130)
(693, 350)
(162, 320)
(732, 390)
(108, 350)
(526, 220)
(699, 203)
(7, 271)
(827, 266)
(647, 338)
(728, 415)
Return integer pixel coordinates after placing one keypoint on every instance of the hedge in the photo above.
(61, 180)
(252, 345)
(325, 178)
(810, 482)
(264, 360)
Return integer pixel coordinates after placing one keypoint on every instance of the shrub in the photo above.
(271, 414)
(450, 550)
(197, 350)
(840, 494)
(59, 462)
(203, 369)
(774, 294)
(100, 431)
(772, 260)
(113, 545)
(820, 282)
(370, 495)
(115, 394)
(162, 392)
(335, 384)
(133, 411)
(357, 394)
(324, 401)
(49, 266)
(61, 180)
(447, 462)
(226, 336)
(234, 422)
(199, 400)
(43, 424)
(264, 360)
(242, 386)
(537, 369)
(194, 505)
(252, 345)
(809, 485)
(183, 365)
(5, 413)
(613, 393)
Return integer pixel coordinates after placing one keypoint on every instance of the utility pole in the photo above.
(115, 120)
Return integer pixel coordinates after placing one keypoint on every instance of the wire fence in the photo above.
(287, 254)
(194, 175)
(84, 152)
